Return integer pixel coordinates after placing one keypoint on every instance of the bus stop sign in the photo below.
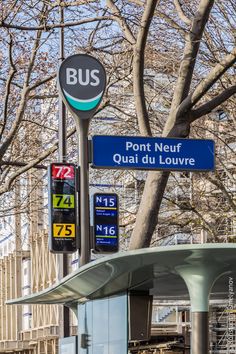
(82, 82)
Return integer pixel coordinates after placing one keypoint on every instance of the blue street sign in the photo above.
(132, 152)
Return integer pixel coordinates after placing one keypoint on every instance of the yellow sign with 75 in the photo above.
(64, 230)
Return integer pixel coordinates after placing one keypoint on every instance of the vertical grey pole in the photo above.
(63, 260)
(200, 333)
(82, 127)
(62, 107)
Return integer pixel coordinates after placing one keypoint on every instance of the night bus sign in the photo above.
(62, 208)
(106, 222)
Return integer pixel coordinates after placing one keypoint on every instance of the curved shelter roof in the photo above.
(154, 269)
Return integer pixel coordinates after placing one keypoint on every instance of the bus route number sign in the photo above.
(106, 223)
(62, 208)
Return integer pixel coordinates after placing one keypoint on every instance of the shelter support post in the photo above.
(199, 281)
(200, 333)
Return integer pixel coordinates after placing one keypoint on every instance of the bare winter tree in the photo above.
(190, 45)
(190, 102)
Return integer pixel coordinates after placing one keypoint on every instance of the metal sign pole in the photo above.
(63, 259)
(62, 107)
(81, 83)
(82, 127)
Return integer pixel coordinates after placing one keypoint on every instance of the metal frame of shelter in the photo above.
(179, 272)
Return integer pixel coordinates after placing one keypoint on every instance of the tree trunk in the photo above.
(147, 216)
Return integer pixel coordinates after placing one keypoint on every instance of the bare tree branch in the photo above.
(181, 14)
(26, 167)
(41, 82)
(47, 27)
(207, 83)
(123, 24)
(218, 183)
(215, 102)
(11, 75)
(42, 97)
(188, 62)
(170, 20)
(137, 2)
(23, 101)
(20, 164)
(188, 207)
(66, 4)
(33, 57)
(138, 68)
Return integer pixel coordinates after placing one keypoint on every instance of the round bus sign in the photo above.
(82, 82)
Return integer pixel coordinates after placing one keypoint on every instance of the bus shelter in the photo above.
(112, 296)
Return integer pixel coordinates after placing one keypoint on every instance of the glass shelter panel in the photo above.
(103, 326)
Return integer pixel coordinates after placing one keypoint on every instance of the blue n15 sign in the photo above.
(106, 222)
(106, 200)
